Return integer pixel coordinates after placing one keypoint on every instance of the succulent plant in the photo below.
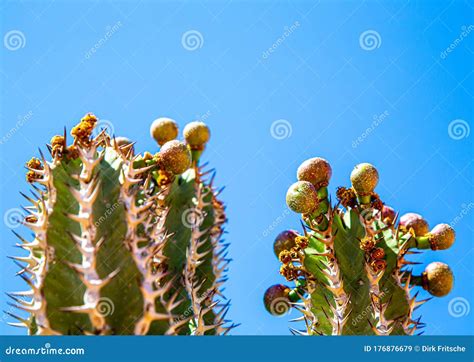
(349, 263)
(122, 244)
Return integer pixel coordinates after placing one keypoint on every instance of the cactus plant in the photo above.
(350, 264)
(123, 244)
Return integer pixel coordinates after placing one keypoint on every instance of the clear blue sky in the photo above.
(323, 77)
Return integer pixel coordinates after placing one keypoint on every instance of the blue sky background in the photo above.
(321, 84)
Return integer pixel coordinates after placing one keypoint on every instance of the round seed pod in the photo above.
(415, 222)
(364, 179)
(284, 241)
(163, 130)
(175, 157)
(302, 197)
(315, 170)
(442, 237)
(438, 279)
(388, 214)
(276, 299)
(197, 134)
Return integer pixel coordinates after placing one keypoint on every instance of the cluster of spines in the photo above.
(147, 229)
(36, 262)
(329, 234)
(207, 244)
(144, 185)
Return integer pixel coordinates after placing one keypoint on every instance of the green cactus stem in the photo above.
(115, 250)
(350, 264)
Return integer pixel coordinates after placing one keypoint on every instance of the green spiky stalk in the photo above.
(349, 266)
(122, 244)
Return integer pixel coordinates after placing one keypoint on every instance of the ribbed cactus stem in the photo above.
(382, 326)
(112, 253)
(193, 282)
(146, 228)
(335, 284)
(86, 195)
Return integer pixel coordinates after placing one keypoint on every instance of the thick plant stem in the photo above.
(113, 252)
